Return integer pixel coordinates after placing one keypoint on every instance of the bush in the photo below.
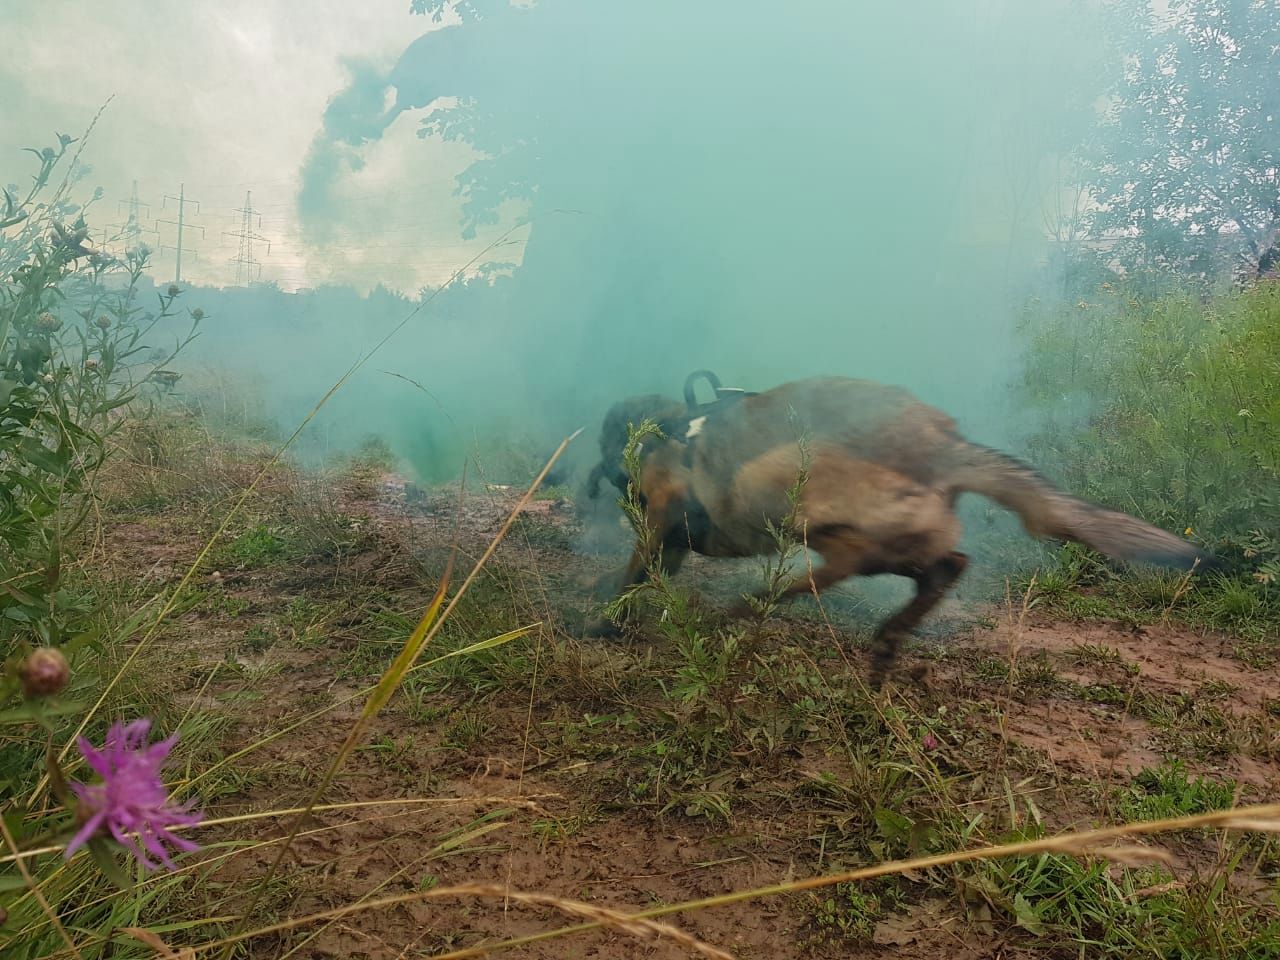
(76, 352)
(1167, 409)
(72, 344)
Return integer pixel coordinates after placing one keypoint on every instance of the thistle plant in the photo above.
(131, 799)
(74, 338)
(73, 335)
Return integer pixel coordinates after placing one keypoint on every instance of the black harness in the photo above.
(698, 415)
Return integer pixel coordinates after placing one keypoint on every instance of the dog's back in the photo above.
(872, 421)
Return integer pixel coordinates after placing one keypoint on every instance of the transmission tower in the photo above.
(131, 231)
(181, 224)
(248, 267)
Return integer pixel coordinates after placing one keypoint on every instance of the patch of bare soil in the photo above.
(457, 789)
(1117, 685)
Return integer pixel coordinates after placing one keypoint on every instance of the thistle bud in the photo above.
(103, 322)
(46, 322)
(91, 364)
(198, 313)
(174, 290)
(44, 672)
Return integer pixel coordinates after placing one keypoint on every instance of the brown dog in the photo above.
(882, 474)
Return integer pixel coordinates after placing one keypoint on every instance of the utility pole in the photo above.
(180, 223)
(244, 260)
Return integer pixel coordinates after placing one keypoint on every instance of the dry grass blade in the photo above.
(643, 929)
(432, 620)
(159, 946)
(34, 889)
(1265, 817)
(1127, 855)
(350, 698)
(178, 591)
(525, 802)
(1159, 888)
(1260, 824)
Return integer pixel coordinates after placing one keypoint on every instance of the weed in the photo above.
(1098, 654)
(788, 539)
(469, 727)
(259, 546)
(560, 829)
(258, 639)
(845, 915)
(1168, 791)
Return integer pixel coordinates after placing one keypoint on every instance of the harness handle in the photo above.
(690, 395)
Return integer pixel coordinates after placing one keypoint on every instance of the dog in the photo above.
(879, 473)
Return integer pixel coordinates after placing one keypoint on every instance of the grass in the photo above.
(1169, 791)
(717, 732)
(1079, 586)
(1165, 409)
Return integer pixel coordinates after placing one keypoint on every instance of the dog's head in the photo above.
(615, 433)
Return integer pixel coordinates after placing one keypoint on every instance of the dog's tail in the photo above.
(1048, 512)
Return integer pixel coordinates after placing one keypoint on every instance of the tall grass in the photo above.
(1167, 408)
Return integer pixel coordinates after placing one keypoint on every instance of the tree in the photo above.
(1185, 170)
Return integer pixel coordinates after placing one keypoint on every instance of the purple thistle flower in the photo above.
(131, 797)
(929, 742)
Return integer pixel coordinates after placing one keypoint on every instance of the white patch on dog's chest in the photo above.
(695, 427)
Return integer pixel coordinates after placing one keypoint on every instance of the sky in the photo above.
(243, 88)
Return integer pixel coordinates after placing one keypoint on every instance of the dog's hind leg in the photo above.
(932, 583)
(843, 555)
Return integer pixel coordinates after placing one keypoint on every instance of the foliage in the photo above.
(74, 349)
(1187, 164)
(76, 352)
(1169, 791)
(1167, 409)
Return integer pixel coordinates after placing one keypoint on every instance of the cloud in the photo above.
(353, 116)
(226, 98)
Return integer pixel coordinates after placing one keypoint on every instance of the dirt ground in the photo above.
(514, 786)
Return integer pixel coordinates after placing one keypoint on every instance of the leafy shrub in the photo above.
(75, 349)
(1167, 409)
